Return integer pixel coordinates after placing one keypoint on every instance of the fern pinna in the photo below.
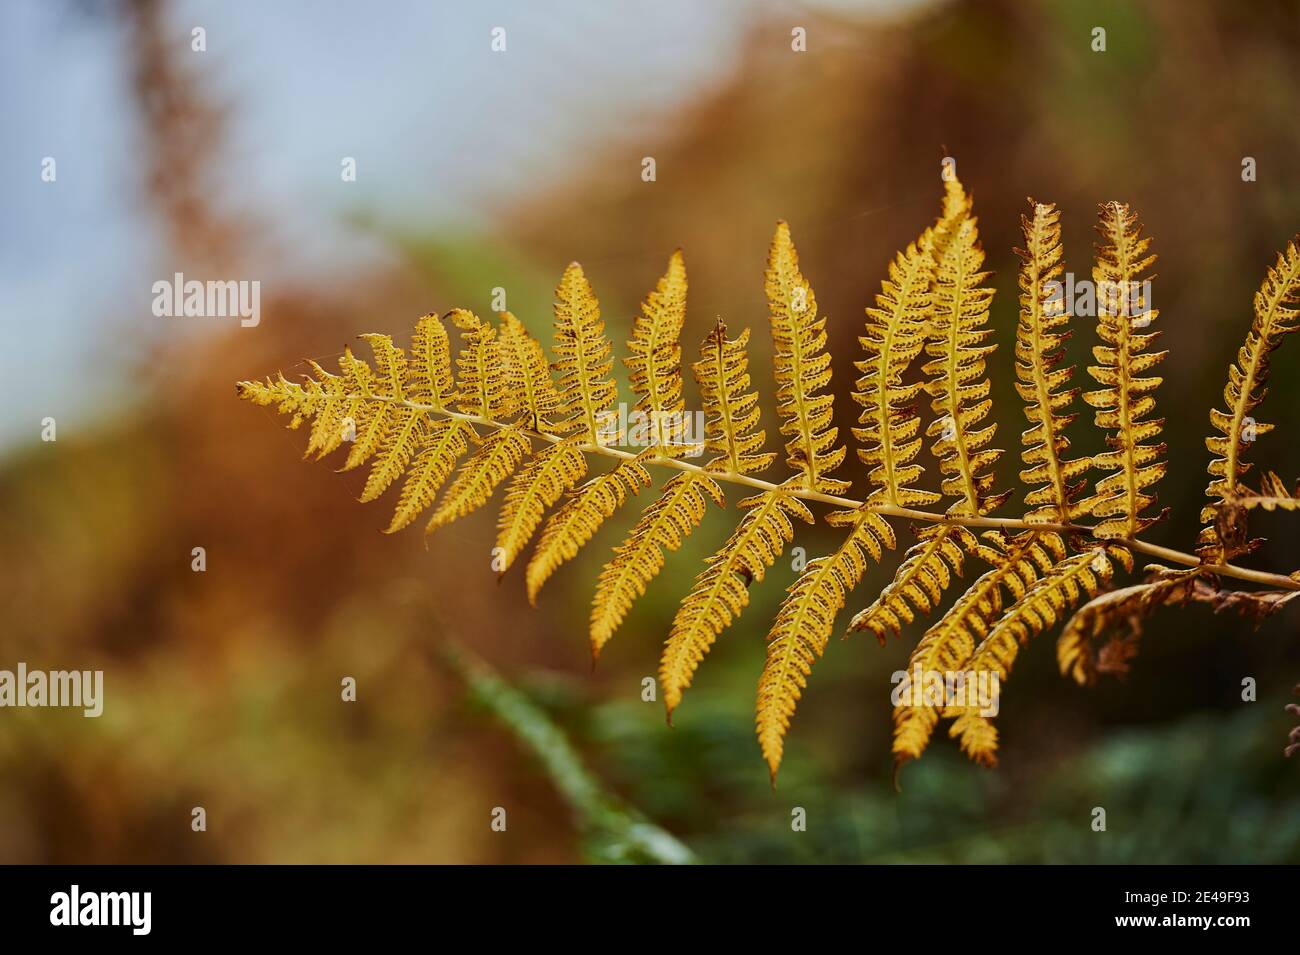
(507, 416)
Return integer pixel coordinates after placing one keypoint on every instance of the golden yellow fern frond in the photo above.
(1039, 380)
(451, 440)
(896, 330)
(550, 473)
(1125, 400)
(584, 357)
(731, 409)
(804, 623)
(428, 375)
(578, 519)
(655, 359)
(803, 369)
(919, 582)
(1276, 315)
(528, 374)
(956, 384)
(721, 592)
(441, 446)
(663, 526)
(948, 645)
(484, 389)
(497, 457)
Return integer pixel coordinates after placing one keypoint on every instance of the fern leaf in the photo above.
(919, 582)
(947, 646)
(528, 374)
(804, 623)
(1039, 380)
(497, 457)
(731, 409)
(1126, 400)
(655, 360)
(721, 592)
(550, 473)
(484, 389)
(584, 357)
(959, 392)
(577, 521)
(442, 445)
(896, 331)
(1275, 316)
(428, 374)
(663, 526)
(803, 369)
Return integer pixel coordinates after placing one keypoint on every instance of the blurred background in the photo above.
(479, 169)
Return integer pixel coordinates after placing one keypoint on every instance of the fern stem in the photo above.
(1170, 555)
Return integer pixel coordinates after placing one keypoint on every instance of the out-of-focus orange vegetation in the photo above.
(223, 687)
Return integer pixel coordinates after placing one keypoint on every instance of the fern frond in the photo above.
(948, 645)
(803, 369)
(919, 582)
(442, 445)
(585, 357)
(956, 384)
(721, 592)
(550, 473)
(428, 374)
(1039, 380)
(896, 331)
(1126, 400)
(655, 360)
(578, 519)
(804, 623)
(528, 374)
(663, 526)
(731, 410)
(497, 457)
(484, 390)
(1276, 315)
